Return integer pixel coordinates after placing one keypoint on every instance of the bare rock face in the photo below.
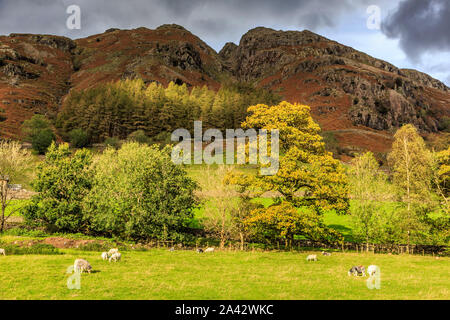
(345, 88)
(362, 100)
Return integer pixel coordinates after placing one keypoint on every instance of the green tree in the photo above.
(139, 136)
(42, 140)
(62, 182)
(79, 138)
(14, 165)
(37, 123)
(138, 193)
(411, 164)
(369, 190)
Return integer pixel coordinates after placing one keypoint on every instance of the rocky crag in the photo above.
(360, 99)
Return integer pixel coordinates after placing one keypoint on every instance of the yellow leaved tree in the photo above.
(308, 176)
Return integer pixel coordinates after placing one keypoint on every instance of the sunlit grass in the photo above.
(160, 274)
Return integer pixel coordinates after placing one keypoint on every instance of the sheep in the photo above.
(115, 257)
(199, 250)
(326, 253)
(81, 265)
(105, 256)
(2, 251)
(209, 250)
(172, 249)
(311, 257)
(372, 270)
(112, 251)
(357, 271)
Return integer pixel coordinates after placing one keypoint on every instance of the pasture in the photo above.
(161, 274)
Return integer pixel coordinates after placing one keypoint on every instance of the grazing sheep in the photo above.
(112, 251)
(105, 256)
(357, 271)
(209, 250)
(326, 253)
(172, 249)
(311, 257)
(81, 265)
(2, 251)
(115, 257)
(372, 270)
(199, 250)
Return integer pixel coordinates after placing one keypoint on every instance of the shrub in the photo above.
(138, 193)
(62, 182)
(38, 248)
(79, 138)
(33, 126)
(139, 136)
(112, 142)
(42, 140)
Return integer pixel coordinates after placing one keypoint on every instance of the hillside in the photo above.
(362, 100)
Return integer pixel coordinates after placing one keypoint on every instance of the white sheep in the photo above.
(115, 257)
(81, 265)
(112, 251)
(209, 250)
(373, 270)
(311, 257)
(2, 251)
(105, 256)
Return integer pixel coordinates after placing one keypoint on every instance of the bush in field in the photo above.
(138, 193)
(79, 138)
(112, 142)
(33, 126)
(139, 136)
(42, 140)
(37, 248)
(62, 182)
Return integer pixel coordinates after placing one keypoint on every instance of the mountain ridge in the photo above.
(349, 91)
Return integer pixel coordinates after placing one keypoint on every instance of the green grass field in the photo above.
(160, 274)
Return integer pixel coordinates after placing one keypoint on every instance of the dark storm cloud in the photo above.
(421, 26)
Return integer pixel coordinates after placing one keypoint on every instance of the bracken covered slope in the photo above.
(362, 100)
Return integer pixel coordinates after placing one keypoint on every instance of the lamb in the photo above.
(172, 249)
(357, 271)
(326, 253)
(209, 250)
(112, 251)
(2, 251)
(105, 256)
(199, 250)
(81, 265)
(115, 257)
(311, 257)
(373, 270)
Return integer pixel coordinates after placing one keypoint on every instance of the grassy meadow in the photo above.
(161, 274)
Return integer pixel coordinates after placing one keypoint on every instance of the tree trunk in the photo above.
(241, 235)
(4, 189)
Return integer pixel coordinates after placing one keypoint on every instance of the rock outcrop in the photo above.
(362, 100)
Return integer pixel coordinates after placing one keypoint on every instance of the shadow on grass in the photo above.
(346, 232)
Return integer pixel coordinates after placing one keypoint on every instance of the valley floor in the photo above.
(161, 274)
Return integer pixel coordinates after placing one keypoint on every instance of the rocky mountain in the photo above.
(358, 98)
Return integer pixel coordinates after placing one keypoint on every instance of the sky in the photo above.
(407, 33)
